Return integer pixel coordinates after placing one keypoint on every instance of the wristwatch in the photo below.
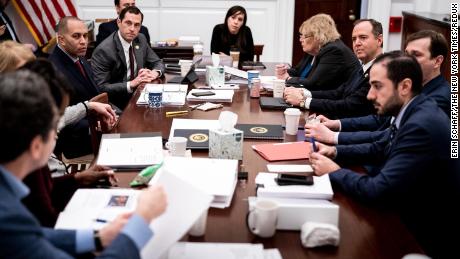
(97, 241)
(302, 104)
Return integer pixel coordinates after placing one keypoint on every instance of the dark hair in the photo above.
(26, 111)
(438, 43)
(133, 10)
(117, 2)
(377, 29)
(58, 84)
(241, 40)
(401, 66)
(61, 26)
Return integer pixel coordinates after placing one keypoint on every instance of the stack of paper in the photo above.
(119, 151)
(224, 96)
(267, 187)
(189, 250)
(216, 177)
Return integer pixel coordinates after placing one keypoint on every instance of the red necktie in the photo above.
(131, 63)
(80, 68)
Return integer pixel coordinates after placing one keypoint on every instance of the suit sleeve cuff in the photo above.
(336, 138)
(84, 241)
(306, 93)
(308, 102)
(340, 125)
(138, 230)
(160, 74)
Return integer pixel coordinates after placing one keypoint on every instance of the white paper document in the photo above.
(192, 124)
(236, 72)
(94, 208)
(216, 177)
(186, 203)
(194, 250)
(321, 188)
(135, 152)
(173, 94)
(225, 96)
(267, 82)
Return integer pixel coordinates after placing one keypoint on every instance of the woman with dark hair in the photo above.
(233, 33)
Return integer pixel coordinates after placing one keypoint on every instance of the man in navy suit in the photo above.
(418, 178)
(29, 117)
(349, 99)
(430, 49)
(125, 60)
(107, 28)
(68, 57)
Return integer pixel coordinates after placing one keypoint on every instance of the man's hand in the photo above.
(152, 203)
(322, 165)
(281, 71)
(144, 76)
(331, 124)
(111, 231)
(108, 114)
(320, 133)
(325, 150)
(293, 95)
(94, 174)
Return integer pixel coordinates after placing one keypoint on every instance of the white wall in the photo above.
(271, 21)
(381, 10)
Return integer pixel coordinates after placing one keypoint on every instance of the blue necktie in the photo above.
(306, 70)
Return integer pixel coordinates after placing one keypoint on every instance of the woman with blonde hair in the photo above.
(327, 62)
(13, 55)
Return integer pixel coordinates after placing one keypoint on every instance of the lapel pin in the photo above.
(137, 46)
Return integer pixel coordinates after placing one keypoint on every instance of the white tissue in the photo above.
(227, 121)
(315, 234)
(215, 59)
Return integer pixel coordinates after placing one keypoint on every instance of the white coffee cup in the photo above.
(278, 88)
(185, 66)
(263, 217)
(292, 116)
(199, 227)
(177, 146)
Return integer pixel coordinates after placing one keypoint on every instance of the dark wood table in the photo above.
(364, 232)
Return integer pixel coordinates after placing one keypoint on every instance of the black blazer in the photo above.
(84, 88)
(107, 28)
(333, 65)
(348, 100)
(218, 45)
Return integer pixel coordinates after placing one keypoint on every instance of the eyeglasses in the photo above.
(301, 36)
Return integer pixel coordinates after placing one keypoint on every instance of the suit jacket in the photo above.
(418, 178)
(373, 128)
(333, 65)
(107, 28)
(74, 140)
(110, 68)
(22, 237)
(218, 45)
(348, 100)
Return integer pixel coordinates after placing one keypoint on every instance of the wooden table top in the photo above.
(365, 232)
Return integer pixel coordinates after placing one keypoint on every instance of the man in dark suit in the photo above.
(349, 99)
(418, 178)
(68, 57)
(107, 28)
(430, 49)
(125, 60)
(30, 134)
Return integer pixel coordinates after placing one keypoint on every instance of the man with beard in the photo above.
(418, 178)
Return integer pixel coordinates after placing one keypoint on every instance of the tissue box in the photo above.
(215, 76)
(293, 213)
(226, 145)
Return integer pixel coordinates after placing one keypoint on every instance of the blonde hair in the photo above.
(11, 55)
(322, 27)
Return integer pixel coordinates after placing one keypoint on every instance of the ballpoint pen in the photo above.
(312, 140)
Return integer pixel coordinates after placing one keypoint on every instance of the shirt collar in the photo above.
(368, 65)
(124, 43)
(401, 113)
(19, 188)
(72, 58)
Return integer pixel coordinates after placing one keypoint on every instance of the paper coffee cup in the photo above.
(292, 116)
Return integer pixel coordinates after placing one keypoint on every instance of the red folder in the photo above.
(284, 151)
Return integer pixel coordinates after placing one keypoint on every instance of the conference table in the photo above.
(365, 232)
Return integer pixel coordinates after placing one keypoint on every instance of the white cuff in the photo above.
(340, 126)
(128, 87)
(306, 93)
(159, 73)
(336, 138)
(307, 102)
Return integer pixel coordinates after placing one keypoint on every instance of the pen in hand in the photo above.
(312, 140)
